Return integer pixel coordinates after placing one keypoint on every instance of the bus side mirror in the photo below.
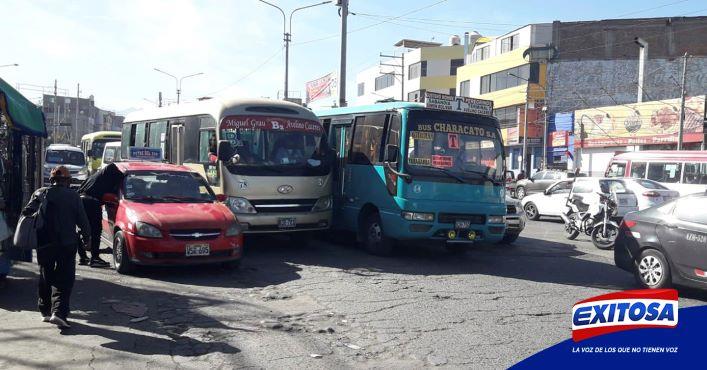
(89, 153)
(391, 153)
(224, 150)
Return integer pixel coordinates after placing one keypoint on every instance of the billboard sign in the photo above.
(322, 87)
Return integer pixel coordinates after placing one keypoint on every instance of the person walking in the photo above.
(106, 180)
(58, 242)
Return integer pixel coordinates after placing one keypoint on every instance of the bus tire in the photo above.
(373, 237)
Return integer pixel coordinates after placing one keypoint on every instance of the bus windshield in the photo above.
(455, 146)
(273, 143)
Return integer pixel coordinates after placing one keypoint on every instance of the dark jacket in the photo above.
(106, 180)
(64, 213)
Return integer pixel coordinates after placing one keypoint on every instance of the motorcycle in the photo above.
(595, 222)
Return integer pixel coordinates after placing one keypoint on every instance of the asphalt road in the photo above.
(327, 305)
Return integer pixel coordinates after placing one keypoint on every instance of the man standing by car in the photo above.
(106, 180)
(58, 243)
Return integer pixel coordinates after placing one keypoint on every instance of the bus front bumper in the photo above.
(266, 223)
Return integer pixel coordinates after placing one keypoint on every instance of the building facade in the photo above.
(610, 65)
(497, 69)
(427, 66)
(65, 126)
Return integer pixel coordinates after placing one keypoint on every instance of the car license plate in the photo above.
(287, 223)
(198, 250)
(462, 224)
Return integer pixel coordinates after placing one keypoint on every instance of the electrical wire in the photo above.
(250, 73)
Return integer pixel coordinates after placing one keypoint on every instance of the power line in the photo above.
(257, 68)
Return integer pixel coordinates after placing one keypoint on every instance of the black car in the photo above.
(666, 244)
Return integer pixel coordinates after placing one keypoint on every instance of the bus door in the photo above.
(176, 143)
(340, 141)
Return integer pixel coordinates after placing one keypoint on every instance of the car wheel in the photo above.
(531, 210)
(652, 270)
(520, 192)
(121, 259)
(373, 237)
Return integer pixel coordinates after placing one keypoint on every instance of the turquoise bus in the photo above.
(412, 171)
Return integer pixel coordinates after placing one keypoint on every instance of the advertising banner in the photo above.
(322, 87)
(654, 122)
(458, 103)
(558, 138)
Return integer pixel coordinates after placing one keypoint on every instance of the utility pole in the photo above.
(56, 114)
(76, 115)
(159, 99)
(544, 160)
(401, 74)
(683, 92)
(344, 4)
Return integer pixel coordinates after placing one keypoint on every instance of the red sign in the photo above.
(453, 141)
(442, 161)
(321, 87)
(271, 123)
(558, 138)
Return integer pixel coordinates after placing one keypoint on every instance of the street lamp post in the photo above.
(10, 65)
(287, 35)
(525, 125)
(178, 81)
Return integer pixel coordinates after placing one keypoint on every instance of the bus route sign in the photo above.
(144, 154)
(459, 104)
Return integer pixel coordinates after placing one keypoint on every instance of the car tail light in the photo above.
(629, 223)
(651, 193)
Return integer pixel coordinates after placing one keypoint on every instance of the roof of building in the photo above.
(416, 44)
(151, 166)
(378, 107)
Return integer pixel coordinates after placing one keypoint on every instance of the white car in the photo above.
(68, 156)
(649, 193)
(553, 201)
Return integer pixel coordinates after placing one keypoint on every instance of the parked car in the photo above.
(68, 156)
(553, 201)
(515, 220)
(166, 214)
(539, 182)
(667, 244)
(649, 193)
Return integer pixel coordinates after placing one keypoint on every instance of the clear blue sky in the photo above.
(111, 47)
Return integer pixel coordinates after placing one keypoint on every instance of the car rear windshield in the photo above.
(167, 186)
(648, 184)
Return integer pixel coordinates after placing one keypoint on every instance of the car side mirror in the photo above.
(221, 197)
(391, 153)
(110, 198)
(510, 176)
(546, 191)
(224, 151)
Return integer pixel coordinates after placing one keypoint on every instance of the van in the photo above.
(68, 156)
(111, 153)
(682, 170)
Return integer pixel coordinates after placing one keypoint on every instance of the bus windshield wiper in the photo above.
(448, 173)
(185, 199)
(144, 198)
(485, 176)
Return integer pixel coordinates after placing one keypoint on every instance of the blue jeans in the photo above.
(4, 264)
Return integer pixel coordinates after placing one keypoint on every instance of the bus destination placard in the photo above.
(271, 123)
(458, 104)
(145, 154)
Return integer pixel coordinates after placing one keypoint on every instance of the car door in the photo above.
(683, 234)
(535, 184)
(557, 198)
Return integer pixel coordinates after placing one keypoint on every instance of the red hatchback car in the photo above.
(168, 215)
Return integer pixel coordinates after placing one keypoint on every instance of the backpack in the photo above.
(29, 226)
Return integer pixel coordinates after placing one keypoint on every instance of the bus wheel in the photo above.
(373, 237)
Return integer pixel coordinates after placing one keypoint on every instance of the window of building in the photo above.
(507, 78)
(455, 63)
(481, 54)
(465, 88)
(664, 172)
(507, 116)
(383, 81)
(368, 135)
(360, 88)
(485, 84)
(417, 96)
(453, 92)
(509, 43)
(417, 70)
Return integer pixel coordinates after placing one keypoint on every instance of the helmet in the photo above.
(59, 173)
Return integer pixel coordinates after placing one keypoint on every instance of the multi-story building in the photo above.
(427, 66)
(64, 125)
(603, 73)
(499, 69)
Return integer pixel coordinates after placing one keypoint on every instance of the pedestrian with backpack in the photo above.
(58, 212)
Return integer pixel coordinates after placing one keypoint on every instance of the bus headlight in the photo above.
(234, 229)
(418, 216)
(323, 204)
(83, 171)
(147, 230)
(496, 219)
(239, 205)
